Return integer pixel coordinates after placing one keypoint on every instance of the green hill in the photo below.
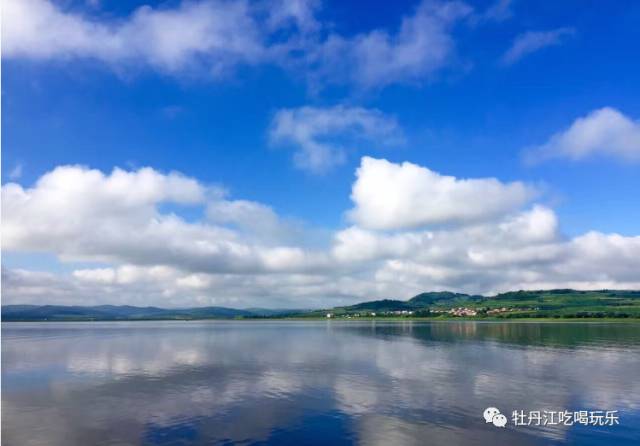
(440, 298)
(560, 303)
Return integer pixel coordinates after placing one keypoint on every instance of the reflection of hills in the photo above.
(551, 334)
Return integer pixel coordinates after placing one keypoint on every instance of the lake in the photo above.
(318, 383)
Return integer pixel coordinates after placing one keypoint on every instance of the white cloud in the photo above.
(300, 13)
(589, 253)
(136, 251)
(474, 250)
(605, 131)
(217, 36)
(500, 10)
(356, 244)
(323, 136)
(96, 275)
(532, 41)
(398, 196)
(421, 46)
(255, 219)
(82, 214)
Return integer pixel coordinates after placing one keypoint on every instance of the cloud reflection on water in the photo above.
(246, 382)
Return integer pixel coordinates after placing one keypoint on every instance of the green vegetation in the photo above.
(546, 304)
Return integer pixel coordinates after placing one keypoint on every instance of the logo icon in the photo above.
(499, 420)
(493, 415)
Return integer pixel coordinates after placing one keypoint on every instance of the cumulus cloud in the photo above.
(605, 131)
(83, 214)
(217, 36)
(399, 196)
(135, 248)
(323, 136)
(485, 255)
(532, 41)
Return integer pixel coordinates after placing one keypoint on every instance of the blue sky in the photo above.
(468, 93)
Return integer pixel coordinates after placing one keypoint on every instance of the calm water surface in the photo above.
(306, 383)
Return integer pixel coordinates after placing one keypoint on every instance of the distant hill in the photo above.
(426, 299)
(380, 305)
(126, 312)
(422, 300)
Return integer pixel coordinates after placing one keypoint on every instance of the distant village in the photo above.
(457, 311)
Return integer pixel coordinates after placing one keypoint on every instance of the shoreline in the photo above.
(352, 320)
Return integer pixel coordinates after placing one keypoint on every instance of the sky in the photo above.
(305, 154)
